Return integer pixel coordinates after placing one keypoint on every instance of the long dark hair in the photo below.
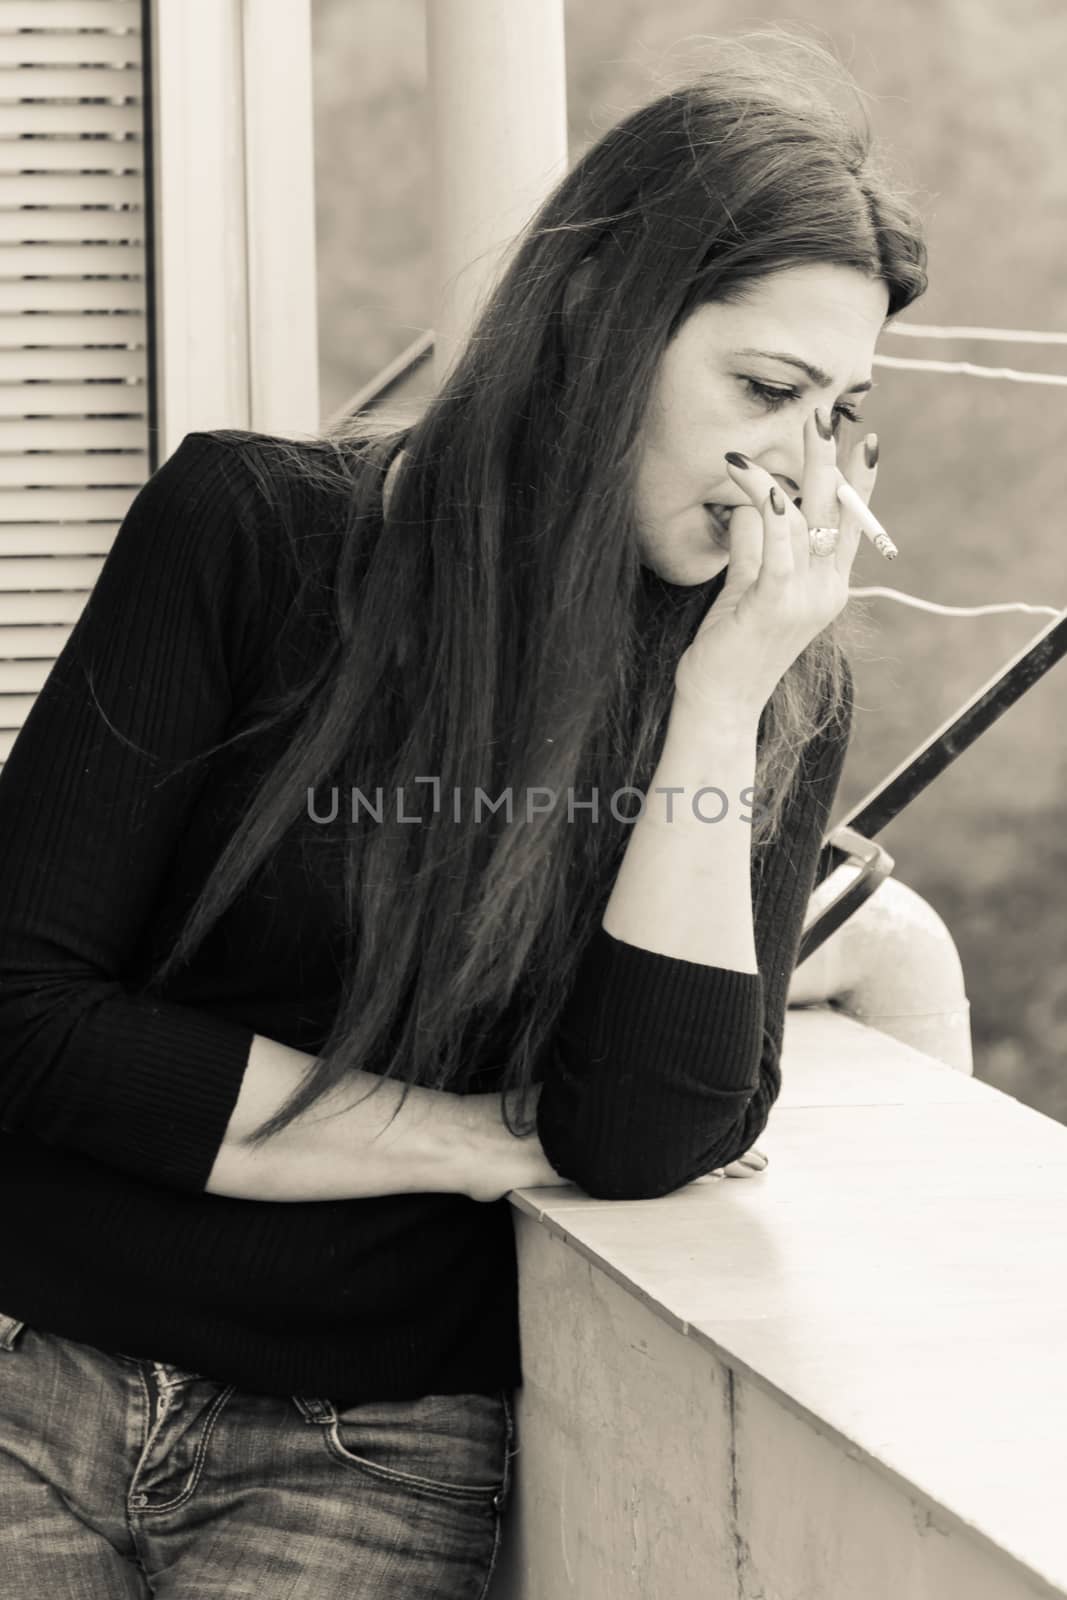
(501, 630)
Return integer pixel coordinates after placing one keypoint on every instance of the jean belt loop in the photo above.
(314, 1410)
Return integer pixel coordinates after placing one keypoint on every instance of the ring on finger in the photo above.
(823, 541)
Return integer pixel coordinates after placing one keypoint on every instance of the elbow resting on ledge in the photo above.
(635, 1109)
(653, 1175)
(638, 1187)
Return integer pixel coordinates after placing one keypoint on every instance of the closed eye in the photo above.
(773, 398)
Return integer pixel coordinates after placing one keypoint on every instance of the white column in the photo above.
(498, 108)
(201, 242)
(280, 201)
(235, 285)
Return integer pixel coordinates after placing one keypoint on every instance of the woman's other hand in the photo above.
(750, 1165)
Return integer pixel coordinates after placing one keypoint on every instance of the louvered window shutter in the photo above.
(74, 348)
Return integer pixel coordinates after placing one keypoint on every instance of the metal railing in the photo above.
(391, 377)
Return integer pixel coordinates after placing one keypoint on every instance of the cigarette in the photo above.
(847, 495)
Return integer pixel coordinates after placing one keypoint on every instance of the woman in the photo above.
(272, 1060)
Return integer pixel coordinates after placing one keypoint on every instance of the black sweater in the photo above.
(113, 1105)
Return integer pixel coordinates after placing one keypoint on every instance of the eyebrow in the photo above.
(821, 379)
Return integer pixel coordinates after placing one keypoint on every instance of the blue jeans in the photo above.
(129, 1478)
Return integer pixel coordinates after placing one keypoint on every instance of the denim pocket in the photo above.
(451, 1445)
(10, 1328)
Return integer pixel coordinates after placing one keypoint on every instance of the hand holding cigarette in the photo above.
(866, 518)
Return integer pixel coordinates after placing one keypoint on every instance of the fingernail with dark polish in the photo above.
(736, 459)
(825, 430)
(870, 450)
(777, 500)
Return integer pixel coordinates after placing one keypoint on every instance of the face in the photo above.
(722, 385)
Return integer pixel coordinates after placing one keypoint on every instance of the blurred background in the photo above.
(967, 97)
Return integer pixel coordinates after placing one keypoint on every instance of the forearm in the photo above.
(657, 1063)
(349, 1146)
(676, 865)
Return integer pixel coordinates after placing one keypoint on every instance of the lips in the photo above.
(720, 513)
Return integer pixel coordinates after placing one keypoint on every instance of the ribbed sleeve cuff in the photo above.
(667, 1012)
(159, 1086)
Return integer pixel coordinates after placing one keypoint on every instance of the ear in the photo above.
(581, 285)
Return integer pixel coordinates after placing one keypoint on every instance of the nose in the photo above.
(783, 455)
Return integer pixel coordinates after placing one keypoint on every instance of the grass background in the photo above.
(967, 97)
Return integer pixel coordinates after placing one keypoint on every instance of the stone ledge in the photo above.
(793, 1381)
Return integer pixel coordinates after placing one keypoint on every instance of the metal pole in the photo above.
(498, 124)
(890, 797)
